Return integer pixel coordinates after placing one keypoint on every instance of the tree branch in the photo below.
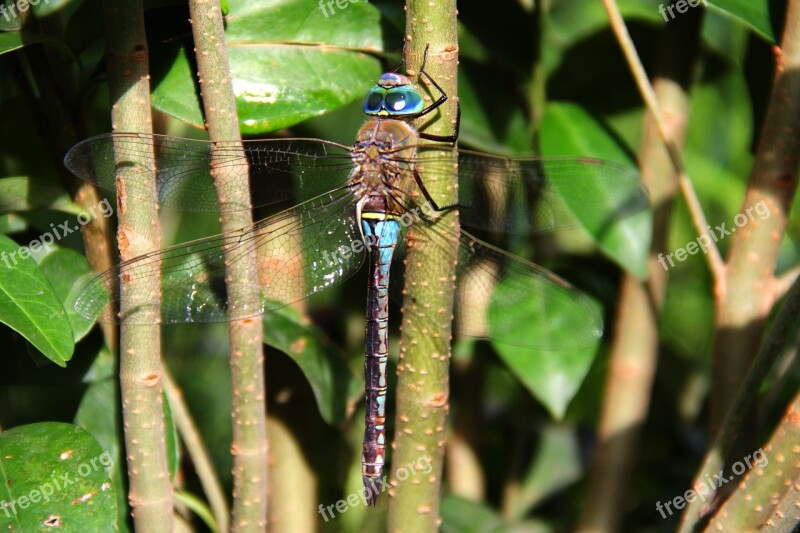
(247, 356)
(150, 492)
(423, 383)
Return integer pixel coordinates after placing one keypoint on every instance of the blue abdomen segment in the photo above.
(381, 232)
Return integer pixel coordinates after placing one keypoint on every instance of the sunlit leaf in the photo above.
(553, 376)
(29, 305)
(569, 130)
(54, 477)
(289, 62)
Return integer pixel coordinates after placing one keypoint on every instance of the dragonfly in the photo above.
(355, 202)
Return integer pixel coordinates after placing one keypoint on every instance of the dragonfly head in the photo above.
(393, 96)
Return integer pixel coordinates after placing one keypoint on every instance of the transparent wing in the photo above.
(279, 168)
(523, 195)
(296, 252)
(539, 195)
(505, 298)
(502, 297)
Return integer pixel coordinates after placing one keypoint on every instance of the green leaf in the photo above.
(104, 366)
(756, 14)
(54, 477)
(172, 440)
(334, 386)
(567, 129)
(12, 223)
(14, 40)
(553, 376)
(465, 516)
(198, 507)
(460, 515)
(556, 465)
(687, 320)
(67, 270)
(275, 89)
(21, 193)
(9, 22)
(288, 62)
(562, 319)
(291, 21)
(29, 305)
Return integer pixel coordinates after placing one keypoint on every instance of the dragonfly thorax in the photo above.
(384, 153)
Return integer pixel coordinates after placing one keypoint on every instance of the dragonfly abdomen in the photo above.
(381, 232)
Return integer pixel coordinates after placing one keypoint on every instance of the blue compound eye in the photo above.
(373, 100)
(403, 100)
(396, 101)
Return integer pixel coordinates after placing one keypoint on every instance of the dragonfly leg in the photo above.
(451, 139)
(429, 198)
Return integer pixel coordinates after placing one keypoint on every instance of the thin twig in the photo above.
(198, 452)
(715, 262)
(634, 348)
